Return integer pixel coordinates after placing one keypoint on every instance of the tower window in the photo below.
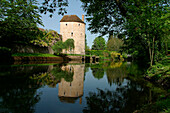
(66, 24)
(79, 24)
(71, 33)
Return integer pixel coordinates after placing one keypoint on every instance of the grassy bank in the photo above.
(33, 55)
(159, 75)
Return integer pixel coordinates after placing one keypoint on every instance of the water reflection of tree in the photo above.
(18, 86)
(58, 73)
(18, 94)
(116, 75)
(98, 72)
(53, 77)
(125, 99)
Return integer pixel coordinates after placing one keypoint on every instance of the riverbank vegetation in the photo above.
(142, 25)
(138, 28)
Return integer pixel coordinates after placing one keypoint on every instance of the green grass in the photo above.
(44, 64)
(34, 55)
(77, 55)
(74, 55)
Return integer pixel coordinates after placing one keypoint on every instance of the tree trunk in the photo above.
(151, 50)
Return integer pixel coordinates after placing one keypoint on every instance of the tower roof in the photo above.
(71, 18)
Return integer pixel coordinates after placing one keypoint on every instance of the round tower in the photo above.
(72, 27)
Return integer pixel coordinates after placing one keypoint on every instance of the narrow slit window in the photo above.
(66, 24)
(71, 33)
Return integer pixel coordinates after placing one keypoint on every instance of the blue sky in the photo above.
(74, 8)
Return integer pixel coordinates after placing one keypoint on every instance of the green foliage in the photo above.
(146, 30)
(105, 53)
(116, 56)
(158, 70)
(99, 44)
(114, 44)
(19, 21)
(160, 73)
(105, 16)
(143, 23)
(34, 55)
(124, 55)
(51, 6)
(67, 45)
(48, 39)
(5, 49)
(58, 46)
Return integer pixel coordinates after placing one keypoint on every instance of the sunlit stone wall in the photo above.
(76, 31)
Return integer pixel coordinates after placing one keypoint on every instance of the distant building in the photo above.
(72, 27)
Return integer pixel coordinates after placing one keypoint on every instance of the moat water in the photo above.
(73, 88)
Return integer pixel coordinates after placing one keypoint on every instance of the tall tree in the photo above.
(99, 43)
(18, 21)
(114, 44)
(140, 21)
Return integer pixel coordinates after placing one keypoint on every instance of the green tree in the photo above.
(48, 39)
(69, 44)
(140, 21)
(147, 27)
(18, 21)
(99, 44)
(114, 44)
(58, 46)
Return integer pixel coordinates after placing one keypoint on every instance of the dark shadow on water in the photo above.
(125, 99)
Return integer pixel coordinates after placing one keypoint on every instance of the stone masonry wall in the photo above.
(76, 31)
(31, 49)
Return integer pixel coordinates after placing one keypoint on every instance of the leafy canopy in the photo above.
(114, 44)
(99, 44)
(60, 45)
(142, 23)
(18, 21)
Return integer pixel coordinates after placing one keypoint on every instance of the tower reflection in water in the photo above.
(71, 91)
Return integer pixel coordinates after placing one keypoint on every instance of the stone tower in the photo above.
(72, 27)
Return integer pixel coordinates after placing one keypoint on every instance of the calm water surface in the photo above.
(72, 88)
